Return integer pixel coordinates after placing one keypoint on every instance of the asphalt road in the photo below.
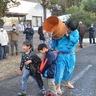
(84, 78)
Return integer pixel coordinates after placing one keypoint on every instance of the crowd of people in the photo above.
(82, 30)
(11, 38)
(53, 68)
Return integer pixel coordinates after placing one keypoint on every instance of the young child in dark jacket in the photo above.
(31, 62)
(48, 71)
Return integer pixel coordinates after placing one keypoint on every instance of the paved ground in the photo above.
(84, 78)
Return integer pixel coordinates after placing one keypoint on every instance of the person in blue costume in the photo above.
(65, 48)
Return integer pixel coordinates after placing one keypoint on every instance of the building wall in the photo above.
(37, 10)
(29, 8)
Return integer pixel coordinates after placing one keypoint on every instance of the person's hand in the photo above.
(44, 31)
(28, 62)
(66, 33)
(20, 72)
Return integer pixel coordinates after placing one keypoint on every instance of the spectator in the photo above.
(3, 43)
(48, 39)
(41, 35)
(14, 34)
(29, 34)
(81, 29)
(20, 27)
(91, 30)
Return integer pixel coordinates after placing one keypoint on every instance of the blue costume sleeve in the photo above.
(73, 40)
(68, 44)
(54, 44)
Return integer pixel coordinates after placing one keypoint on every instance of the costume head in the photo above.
(56, 26)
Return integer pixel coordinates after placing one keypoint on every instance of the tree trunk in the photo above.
(44, 12)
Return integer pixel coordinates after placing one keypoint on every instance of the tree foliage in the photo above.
(85, 12)
(4, 6)
(86, 17)
(90, 6)
(45, 4)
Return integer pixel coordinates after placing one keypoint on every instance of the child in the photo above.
(49, 69)
(30, 61)
(65, 48)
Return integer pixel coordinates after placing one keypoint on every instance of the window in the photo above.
(36, 21)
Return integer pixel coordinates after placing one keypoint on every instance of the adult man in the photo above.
(81, 29)
(20, 27)
(41, 35)
(3, 43)
(29, 34)
(14, 34)
(91, 34)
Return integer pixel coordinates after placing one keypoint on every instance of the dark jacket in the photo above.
(29, 33)
(41, 35)
(34, 66)
(91, 31)
(49, 69)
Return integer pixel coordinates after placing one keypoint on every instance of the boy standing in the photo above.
(48, 71)
(31, 63)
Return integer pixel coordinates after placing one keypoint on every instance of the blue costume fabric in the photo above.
(65, 48)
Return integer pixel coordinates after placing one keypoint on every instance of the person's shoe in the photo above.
(12, 54)
(81, 46)
(21, 94)
(47, 94)
(16, 53)
(43, 92)
(4, 58)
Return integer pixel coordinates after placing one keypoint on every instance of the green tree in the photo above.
(86, 17)
(90, 6)
(85, 12)
(45, 4)
(4, 8)
(68, 3)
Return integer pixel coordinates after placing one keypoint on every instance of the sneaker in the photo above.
(21, 94)
(47, 94)
(50, 94)
(16, 53)
(43, 92)
(12, 54)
